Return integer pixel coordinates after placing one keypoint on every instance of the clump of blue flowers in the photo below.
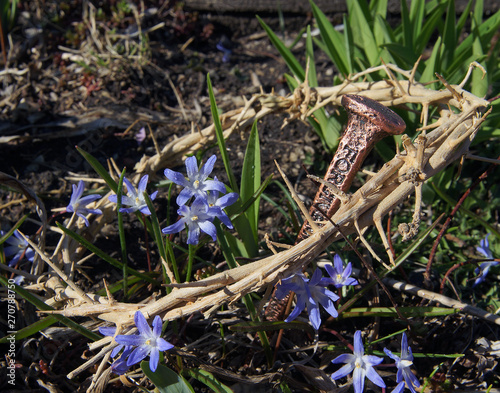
(310, 293)
(207, 205)
(137, 346)
(483, 269)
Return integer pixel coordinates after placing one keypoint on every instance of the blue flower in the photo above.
(339, 276)
(403, 364)
(148, 342)
(227, 52)
(135, 198)
(196, 217)
(484, 268)
(120, 365)
(361, 364)
(309, 293)
(17, 246)
(216, 204)
(196, 184)
(77, 203)
(400, 388)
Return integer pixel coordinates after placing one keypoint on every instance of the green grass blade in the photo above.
(486, 31)
(390, 312)
(165, 379)
(251, 179)
(312, 77)
(101, 171)
(333, 40)
(285, 53)
(44, 307)
(220, 138)
(463, 18)
(432, 20)
(450, 201)
(417, 11)
(362, 31)
(406, 25)
(379, 11)
(432, 64)
(479, 82)
(121, 231)
(208, 379)
(241, 223)
(32, 329)
(449, 35)
(350, 47)
(11, 231)
(101, 254)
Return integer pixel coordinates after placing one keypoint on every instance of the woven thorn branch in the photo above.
(438, 145)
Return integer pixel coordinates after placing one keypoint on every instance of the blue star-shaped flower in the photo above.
(147, 342)
(403, 364)
(339, 276)
(120, 365)
(77, 203)
(135, 198)
(361, 364)
(18, 247)
(484, 268)
(309, 293)
(196, 183)
(216, 204)
(196, 217)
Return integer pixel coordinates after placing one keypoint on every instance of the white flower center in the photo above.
(406, 363)
(339, 277)
(194, 218)
(196, 184)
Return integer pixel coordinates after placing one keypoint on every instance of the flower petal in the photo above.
(138, 354)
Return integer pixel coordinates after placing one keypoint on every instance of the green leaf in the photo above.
(431, 66)
(285, 53)
(390, 312)
(362, 30)
(208, 379)
(379, 11)
(42, 306)
(101, 254)
(220, 137)
(417, 12)
(312, 77)
(166, 380)
(449, 36)
(463, 18)
(333, 40)
(432, 21)
(32, 329)
(251, 178)
(406, 24)
(486, 31)
(101, 171)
